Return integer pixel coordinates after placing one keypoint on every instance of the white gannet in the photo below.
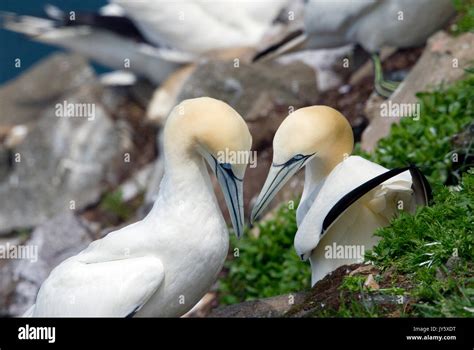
(373, 24)
(200, 26)
(345, 198)
(151, 37)
(163, 264)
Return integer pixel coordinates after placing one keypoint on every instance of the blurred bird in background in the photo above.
(152, 37)
(372, 24)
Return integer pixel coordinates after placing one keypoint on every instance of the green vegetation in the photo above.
(114, 205)
(266, 265)
(427, 142)
(435, 250)
(465, 19)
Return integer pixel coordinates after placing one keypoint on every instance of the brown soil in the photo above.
(327, 297)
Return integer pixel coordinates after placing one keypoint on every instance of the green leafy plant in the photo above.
(114, 204)
(435, 249)
(465, 19)
(266, 265)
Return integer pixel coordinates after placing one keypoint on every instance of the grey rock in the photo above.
(449, 55)
(262, 93)
(54, 241)
(64, 161)
(24, 98)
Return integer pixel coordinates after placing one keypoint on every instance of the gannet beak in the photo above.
(278, 175)
(233, 190)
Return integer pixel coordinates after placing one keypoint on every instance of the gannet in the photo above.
(345, 198)
(151, 37)
(200, 26)
(163, 264)
(372, 24)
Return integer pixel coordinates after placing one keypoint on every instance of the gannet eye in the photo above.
(298, 157)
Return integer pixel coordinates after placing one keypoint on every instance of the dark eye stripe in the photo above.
(296, 158)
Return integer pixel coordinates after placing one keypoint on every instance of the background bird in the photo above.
(151, 38)
(372, 24)
(163, 264)
(345, 198)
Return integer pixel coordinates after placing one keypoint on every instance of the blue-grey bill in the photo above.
(232, 187)
(276, 179)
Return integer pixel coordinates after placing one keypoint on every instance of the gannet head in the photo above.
(309, 133)
(212, 129)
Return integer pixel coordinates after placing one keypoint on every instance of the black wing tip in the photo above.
(416, 172)
(272, 48)
(131, 314)
(349, 198)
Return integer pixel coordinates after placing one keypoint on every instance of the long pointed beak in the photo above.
(233, 190)
(277, 177)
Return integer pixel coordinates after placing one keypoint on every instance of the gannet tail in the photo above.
(27, 25)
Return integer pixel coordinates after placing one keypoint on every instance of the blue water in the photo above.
(13, 45)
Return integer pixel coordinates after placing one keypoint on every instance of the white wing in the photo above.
(102, 289)
(347, 176)
(110, 278)
(198, 26)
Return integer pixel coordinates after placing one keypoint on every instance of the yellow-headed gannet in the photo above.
(345, 198)
(163, 264)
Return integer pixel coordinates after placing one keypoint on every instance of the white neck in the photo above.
(315, 172)
(185, 178)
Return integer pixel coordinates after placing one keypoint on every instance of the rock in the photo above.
(364, 270)
(24, 98)
(269, 307)
(372, 106)
(262, 93)
(450, 55)
(63, 162)
(54, 241)
(370, 283)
